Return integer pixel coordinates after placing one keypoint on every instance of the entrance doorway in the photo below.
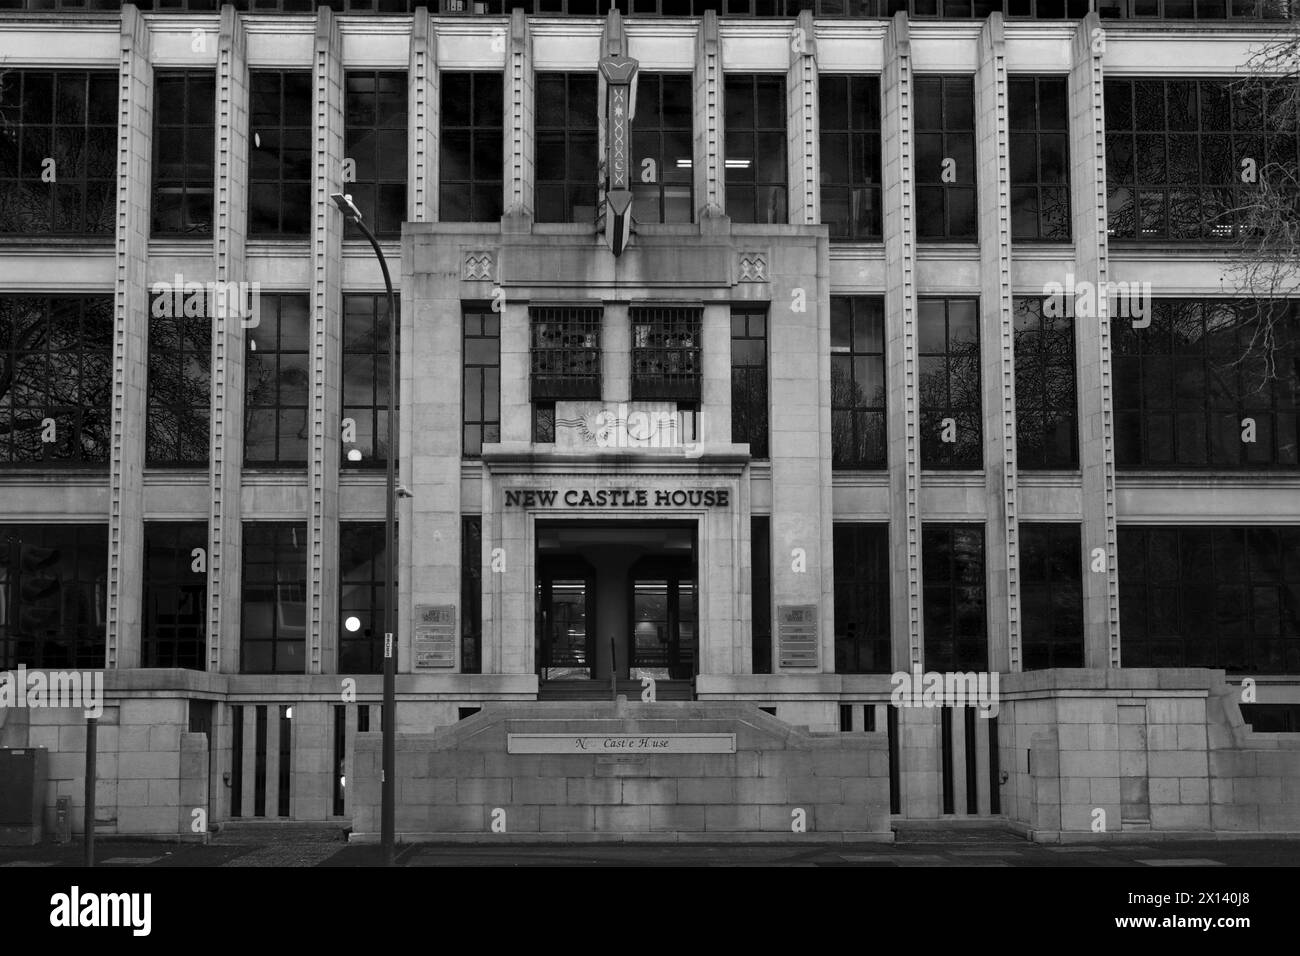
(615, 600)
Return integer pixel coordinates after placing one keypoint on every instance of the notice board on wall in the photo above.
(435, 636)
(796, 626)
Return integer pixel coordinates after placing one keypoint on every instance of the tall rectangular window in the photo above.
(952, 570)
(861, 554)
(173, 631)
(471, 594)
(849, 110)
(661, 133)
(183, 153)
(565, 360)
(749, 401)
(481, 403)
(280, 109)
(366, 326)
(277, 374)
(1046, 409)
(755, 124)
(949, 344)
(760, 544)
(53, 595)
(944, 124)
(375, 111)
(567, 166)
(666, 353)
(362, 551)
(1218, 596)
(471, 154)
(273, 635)
(180, 387)
(1051, 595)
(1040, 158)
(1174, 154)
(857, 382)
(56, 379)
(58, 153)
(1210, 383)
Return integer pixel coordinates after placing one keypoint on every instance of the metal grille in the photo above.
(666, 353)
(566, 352)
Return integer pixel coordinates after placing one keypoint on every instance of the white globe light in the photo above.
(354, 454)
(352, 623)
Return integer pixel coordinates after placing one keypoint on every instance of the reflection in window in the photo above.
(366, 328)
(1040, 158)
(280, 108)
(180, 388)
(949, 345)
(661, 137)
(471, 152)
(666, 353)
(274, 595)
(944, 124)
(1210, 383)
(849, 113)
(481, 403)
(1051, 596)
(276, 379)
(862, 624)
(857, 382)
(173, 630)
(1224, 597)
(1046, 410)
(53, 595)
(956, 632)
(375, 111)
(56, 379)
(361, 597)
(184, 124)
(756, 172)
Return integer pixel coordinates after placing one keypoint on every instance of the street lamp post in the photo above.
(389, 783)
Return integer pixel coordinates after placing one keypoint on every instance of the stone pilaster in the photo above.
(715, 390)
(1092, 348)
(802, 148)
(900, 349)
(710, 195)
(423, 83)
(615, 353)
(130, 344)
(230, 223)
(520, 123)
(326, 320)
(997, 349)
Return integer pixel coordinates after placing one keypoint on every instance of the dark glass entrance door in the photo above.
(663, 641)
(566, 619)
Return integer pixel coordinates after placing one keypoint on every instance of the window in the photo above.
(280, 154)
(471, 594)
(1051, 596)
(755, 148)
(1202, 388)
(58, 153)
(1040, 158)
(362, 551)
(56, 380)
(274, 623)
(277, 372)
(1189, 9)
(666, 361)
(945, 157)
(173, 630)
(857, 382)
(951, 427)
(481, 404)
(566, 153)
(1272, 718)
(375, 107)
(661, 135)
(180, 386)
(952, 565)
(183, 153)
(565, 352)
(365, 378)
(1224, 597)
(1155, 131)
(53, 595)
(849, 110)
(471, 152)
(1046, 410)
(953, 9)
(760, 569)
(861, 554)
(749, 415)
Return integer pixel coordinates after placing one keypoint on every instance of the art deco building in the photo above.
(802, 416)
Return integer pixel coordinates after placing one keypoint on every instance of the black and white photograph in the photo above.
(448, 437)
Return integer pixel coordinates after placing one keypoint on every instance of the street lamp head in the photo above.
(346, 206)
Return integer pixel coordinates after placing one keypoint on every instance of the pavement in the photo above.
(916, 849)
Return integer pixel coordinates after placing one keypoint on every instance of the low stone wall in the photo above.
(1140, 753)
(782, 783)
